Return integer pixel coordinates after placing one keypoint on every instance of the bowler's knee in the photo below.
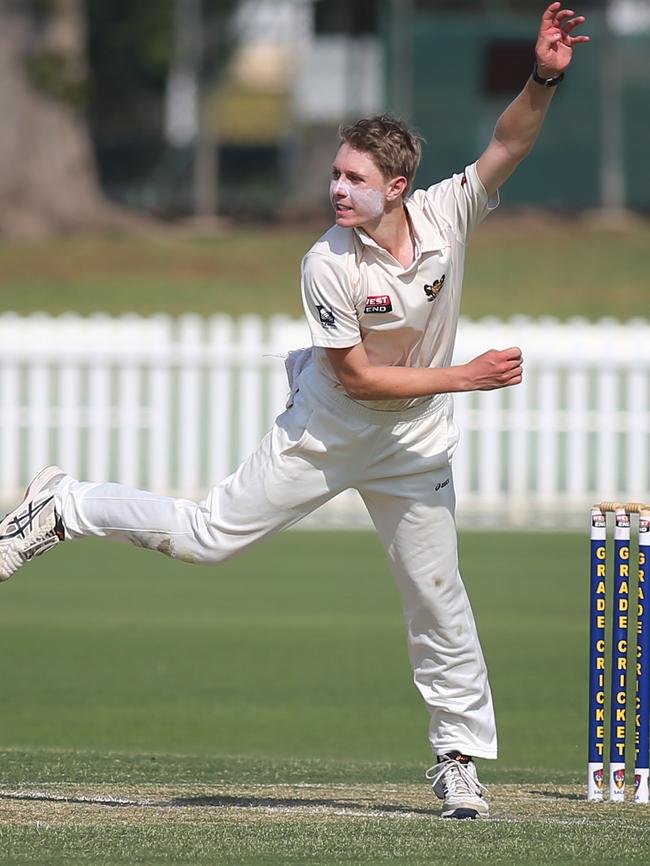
(208, 552)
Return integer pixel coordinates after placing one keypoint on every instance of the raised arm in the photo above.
(521, 122)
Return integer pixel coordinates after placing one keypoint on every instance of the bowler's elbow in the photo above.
(356, 386)
(353, 371)
(499, 161)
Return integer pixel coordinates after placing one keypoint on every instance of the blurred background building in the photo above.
(283, 74)
(232, 106)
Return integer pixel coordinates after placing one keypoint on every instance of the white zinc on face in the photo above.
(358, 188)
(367, 202)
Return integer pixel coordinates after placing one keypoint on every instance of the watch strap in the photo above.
(546, 82)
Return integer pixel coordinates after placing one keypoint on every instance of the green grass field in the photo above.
(555, 267)
(263, 713)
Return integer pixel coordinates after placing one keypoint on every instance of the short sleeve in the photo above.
(461, 201)
(329, 303)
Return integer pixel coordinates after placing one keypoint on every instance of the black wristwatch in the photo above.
(546, 82)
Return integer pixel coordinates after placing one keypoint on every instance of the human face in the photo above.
(357, 188)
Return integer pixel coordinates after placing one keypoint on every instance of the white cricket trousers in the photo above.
(323, 444)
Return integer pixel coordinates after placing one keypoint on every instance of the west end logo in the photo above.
(432, 291)
(378, 304)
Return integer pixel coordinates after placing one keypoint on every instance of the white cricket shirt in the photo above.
(354, 291)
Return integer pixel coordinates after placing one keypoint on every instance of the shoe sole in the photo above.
(464, 814)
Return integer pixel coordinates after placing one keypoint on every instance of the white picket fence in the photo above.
(173, 405)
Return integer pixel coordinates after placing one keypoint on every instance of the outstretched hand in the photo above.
(554, 47)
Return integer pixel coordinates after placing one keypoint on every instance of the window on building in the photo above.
(508, 63)
(358, 18)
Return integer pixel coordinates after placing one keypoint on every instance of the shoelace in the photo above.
(460, 782)
(21, 525)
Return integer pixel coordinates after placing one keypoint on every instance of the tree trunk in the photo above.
(48, 176)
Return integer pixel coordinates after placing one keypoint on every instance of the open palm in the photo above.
(554, 47)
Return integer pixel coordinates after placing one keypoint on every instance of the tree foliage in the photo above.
(48, 176)
(131, 48)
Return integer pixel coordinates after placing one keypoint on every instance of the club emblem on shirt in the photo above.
(378, 304)
(327, 319)
(432, 291)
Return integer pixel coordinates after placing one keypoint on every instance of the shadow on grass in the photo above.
(288, 802)
(85, 801)
(557, 795)
(221, 801)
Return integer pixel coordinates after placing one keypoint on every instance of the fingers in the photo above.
(511, 354)
(562, 16)
(510, 367)
(565, 20)
(512, 373)
(502, 360)
(513, 377)
(554, 16)
(569, 26)
(515, 380)
(549, 16)
(496, 384)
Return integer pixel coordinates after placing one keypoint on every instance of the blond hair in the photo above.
(393, 147)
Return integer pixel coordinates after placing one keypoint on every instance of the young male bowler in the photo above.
(370, 408)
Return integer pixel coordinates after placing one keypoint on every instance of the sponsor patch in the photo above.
(441, 484)
(378, 304)
(327, 318)
(432, 291)
(463, 180)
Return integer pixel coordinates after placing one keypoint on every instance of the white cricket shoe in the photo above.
(32, 528)
(455, 781)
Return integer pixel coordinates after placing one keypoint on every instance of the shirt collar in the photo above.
(428, 238)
